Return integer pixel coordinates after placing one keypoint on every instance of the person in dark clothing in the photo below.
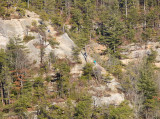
(85, 56)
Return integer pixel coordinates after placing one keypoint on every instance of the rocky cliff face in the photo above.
(18, 28)
(135, 52)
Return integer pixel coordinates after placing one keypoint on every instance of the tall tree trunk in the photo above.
(8, 96)
(3, 93)
(28, 4)
(2, 97)
(145, 23)
(63, 28)
(126, 8)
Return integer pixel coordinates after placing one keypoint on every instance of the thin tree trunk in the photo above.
(2, 97)
(28, 4)
(126, 8)
(145, 23)
(3, 93)
(63, 28)
(8, 96)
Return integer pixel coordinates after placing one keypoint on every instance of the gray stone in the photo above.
(114, 98)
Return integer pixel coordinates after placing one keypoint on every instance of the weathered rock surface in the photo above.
(114, 99)
(64, 49)
(134, 52)
(18, 28)
(107, 94)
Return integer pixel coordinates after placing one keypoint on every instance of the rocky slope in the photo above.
(135, 52)
(18, 28)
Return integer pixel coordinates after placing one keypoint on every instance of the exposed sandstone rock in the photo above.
(134, 52)
(114, 98)
(18, 28)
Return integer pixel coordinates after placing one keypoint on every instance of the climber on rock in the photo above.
(94, 62)
(85, 56)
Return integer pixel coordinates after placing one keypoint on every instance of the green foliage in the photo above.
(117, 70)
(34, 23)
(152, 57)
(146, 35)
(75, 54)
(111, 34)
(2, 11)
(44, 16)
(76, 17)
(63, 67)
(2, 58)
(114, 66)
(15, 49)
(127, 82)
(57, 20)
(80, 39)
(83, 108)
(42, 28)
(21, 11)
(22, 104)
(53, 42)
(140, 79)
(69, 110)
(123, 111)
(38, 82)
(111, 23)
(152, 17)
(22, 4)
(28, 38)
(147, 85)
(130, 34)
(63, 75)
(87, 71)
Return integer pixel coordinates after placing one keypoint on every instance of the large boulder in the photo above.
(106, 94)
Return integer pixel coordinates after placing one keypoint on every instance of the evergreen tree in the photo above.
(88, 71)
(62, 75)
(123, 111)
(111, 34)
(83, 108)
(147, 86)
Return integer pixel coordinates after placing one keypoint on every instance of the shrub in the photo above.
(88, 71)
(28, 38)
(53, 43)
(34, 23)
(75, 54)
(44, 16)
(21, 12)
(83, 108)
(123, 111)
(57, 21)
(2, 11)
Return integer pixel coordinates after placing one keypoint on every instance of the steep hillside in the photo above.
(79, 59)
(103, 93)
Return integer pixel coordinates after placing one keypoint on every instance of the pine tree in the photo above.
(147, 88)
(4, 79)
(88, 71)
(17, 62)
(123, 111)
(83, 108)
(62, 75)
(111, 34)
